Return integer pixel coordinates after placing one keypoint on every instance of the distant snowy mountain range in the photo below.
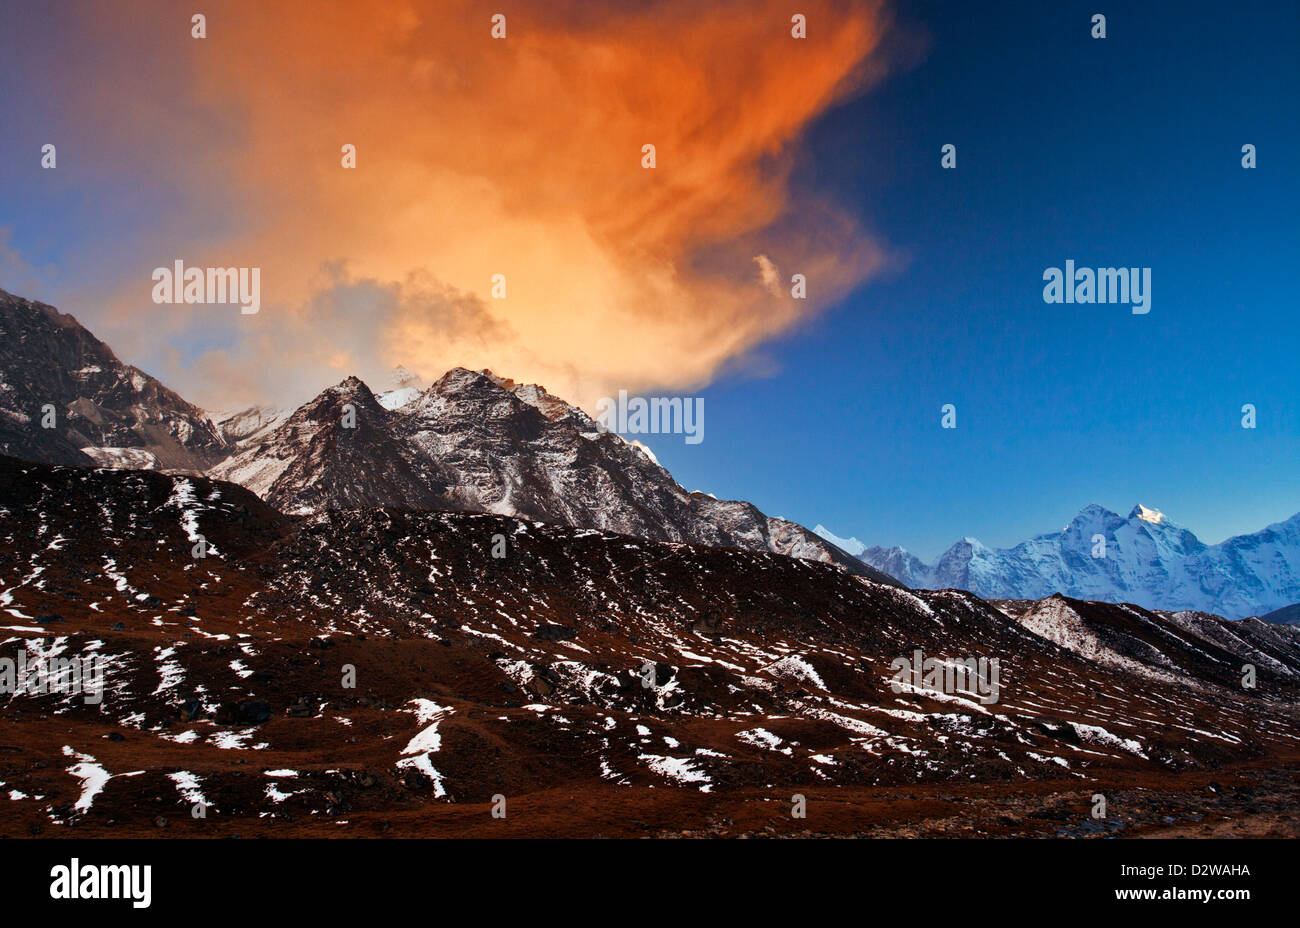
(1146, 560)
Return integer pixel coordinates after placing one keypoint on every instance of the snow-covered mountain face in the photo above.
(1146, 559)
(99, 410)
(851, 545)
(474, 441)
(247, 425)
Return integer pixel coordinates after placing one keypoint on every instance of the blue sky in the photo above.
(1120, 152)
(1116, 152)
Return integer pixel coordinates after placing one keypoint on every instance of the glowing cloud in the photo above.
(478, 157)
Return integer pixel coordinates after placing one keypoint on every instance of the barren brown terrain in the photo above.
(589, 683)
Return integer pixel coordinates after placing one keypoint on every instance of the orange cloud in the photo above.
(478, 156)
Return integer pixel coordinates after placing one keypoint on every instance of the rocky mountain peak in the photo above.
(66, 398)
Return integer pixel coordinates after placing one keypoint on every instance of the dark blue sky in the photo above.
(1119, 152)
(1116, 152)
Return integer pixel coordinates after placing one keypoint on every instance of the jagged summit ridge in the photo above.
(476, 441)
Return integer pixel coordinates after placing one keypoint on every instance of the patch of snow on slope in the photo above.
(427, 742)
(679, 769)
(122, 458)
(92, 775)
(187, 784)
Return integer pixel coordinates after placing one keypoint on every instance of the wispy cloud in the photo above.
(478, 157)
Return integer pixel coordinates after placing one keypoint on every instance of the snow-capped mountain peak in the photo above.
(404, 378)
(404, 387)
(1154, 516)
